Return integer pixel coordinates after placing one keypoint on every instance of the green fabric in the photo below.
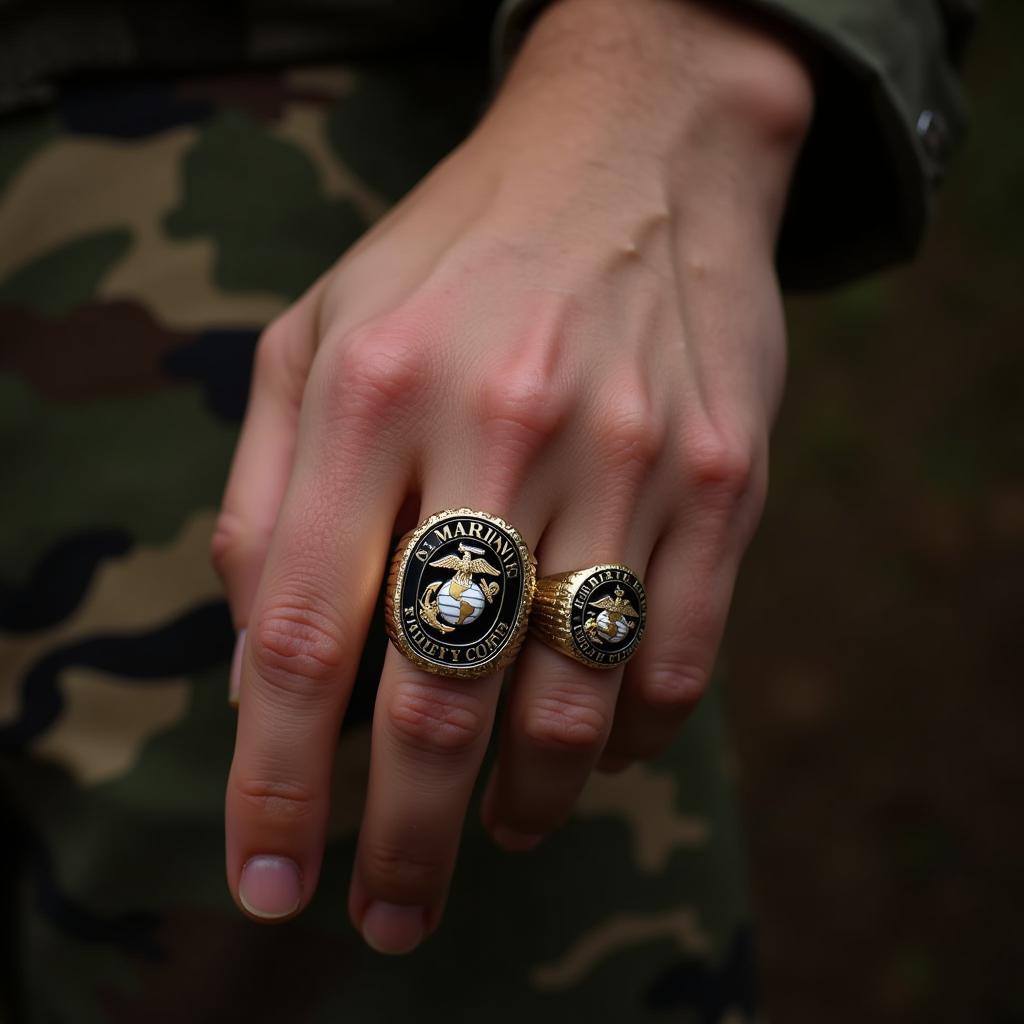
(44, 42)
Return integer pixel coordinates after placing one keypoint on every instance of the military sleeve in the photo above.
(889, 113)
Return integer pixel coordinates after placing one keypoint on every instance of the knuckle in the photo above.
(567, 720)
(400, 872)
(675, 687)
(718, 467)
(521, 408)
(283, 802)
(226, 539)
(375, 371)
(233, 535)
(436, 719)
(272, 344)
(276, 357)
(296, 646)
(630, 435)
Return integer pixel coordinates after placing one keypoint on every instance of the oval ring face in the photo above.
(461, 593)
(608, 615)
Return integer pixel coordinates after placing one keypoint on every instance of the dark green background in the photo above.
(875, 656)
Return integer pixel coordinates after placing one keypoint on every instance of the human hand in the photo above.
(573, 323)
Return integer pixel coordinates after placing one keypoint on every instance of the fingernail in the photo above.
(517, 842)
(390, 928)
(235, 678)
(270, 887)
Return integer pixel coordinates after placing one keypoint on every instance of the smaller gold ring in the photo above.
(459, 594)
(595, 615)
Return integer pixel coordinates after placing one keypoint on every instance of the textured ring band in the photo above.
(459, 594)
(595, 615)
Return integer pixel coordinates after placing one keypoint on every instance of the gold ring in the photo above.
(595, 615)
(459, 594)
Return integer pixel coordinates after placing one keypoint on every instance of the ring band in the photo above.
(459, 594)
(595, 615)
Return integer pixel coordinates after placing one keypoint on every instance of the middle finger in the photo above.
(430, 733)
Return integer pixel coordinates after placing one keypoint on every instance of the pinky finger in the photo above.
(689, 584)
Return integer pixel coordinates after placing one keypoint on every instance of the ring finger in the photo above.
(560, 711)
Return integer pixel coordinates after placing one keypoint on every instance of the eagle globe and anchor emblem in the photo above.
(444, 610)
(460, 600)
(596, 615)
(614, 622)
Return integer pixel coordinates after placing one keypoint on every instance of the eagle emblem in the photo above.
(612, 623)
(459, 600)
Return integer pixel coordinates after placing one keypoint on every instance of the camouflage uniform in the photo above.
(148, 230)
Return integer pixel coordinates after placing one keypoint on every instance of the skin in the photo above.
(583, 296)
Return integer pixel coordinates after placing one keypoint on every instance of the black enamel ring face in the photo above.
(461, 592)
(608, 615)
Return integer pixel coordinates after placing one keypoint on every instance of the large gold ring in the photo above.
(459, 594)
(596, 615)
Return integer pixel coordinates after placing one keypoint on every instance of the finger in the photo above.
(689, 587)
(309, 618)
(263, 460)
(559, 712)
(430, 733)
(718, 473)
(429, 738)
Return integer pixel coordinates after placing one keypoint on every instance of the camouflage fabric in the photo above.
(147, 232)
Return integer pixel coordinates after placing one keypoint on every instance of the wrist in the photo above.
(656, 90)
(641, 57)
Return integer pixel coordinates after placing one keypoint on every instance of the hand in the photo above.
(573, 323)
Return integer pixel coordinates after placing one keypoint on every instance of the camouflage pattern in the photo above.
(147, 232)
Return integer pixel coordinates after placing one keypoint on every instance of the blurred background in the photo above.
(875, 656)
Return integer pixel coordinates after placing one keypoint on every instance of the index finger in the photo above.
(316, 596)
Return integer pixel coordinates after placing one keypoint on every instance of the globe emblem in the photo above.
(460, 599)
(613, 632)
(614, 622)
(460, 605)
